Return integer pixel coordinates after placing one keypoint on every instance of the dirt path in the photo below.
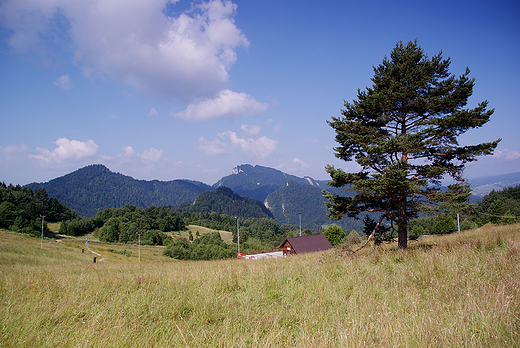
(98, 254)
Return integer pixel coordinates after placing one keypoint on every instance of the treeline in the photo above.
(124, 225)
(269, 232)
(207, 247)
(21, 209)
(497, 207)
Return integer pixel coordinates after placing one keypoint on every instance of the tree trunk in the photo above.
(402, 231)
(402, 235)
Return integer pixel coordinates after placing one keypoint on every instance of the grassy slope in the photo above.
(452, 291)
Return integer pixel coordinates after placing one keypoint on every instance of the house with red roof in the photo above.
(305, 244)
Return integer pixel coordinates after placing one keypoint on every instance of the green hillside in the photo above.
(256, 181)
(224, 201)
(96, 187)
(289, 201)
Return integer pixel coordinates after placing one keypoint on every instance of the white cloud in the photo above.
(67, 150)
(277, 128)
(64, 82)
(258, 148)
(297, 165)
(140, 43)
(128, 151)
(250, 130)
(11, 154)
(152, 113)
(12, 150)
(151, 155)
(212, 148)
(301, 165)
(506, 154)
(226, 104)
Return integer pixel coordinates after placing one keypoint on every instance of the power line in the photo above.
(499, 216)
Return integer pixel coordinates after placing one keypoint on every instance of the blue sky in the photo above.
(159, 89)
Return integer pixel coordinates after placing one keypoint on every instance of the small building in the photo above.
(305, 244)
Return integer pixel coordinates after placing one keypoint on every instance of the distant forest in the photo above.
(21, 210)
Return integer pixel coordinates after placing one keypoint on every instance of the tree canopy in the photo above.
(403, 133)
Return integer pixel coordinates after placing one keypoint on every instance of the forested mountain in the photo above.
(224, 201)
(257, 181)
(95, 187)
(484, 185)
(288, 202)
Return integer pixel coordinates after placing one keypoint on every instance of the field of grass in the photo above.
(461, 290)
(226, 236)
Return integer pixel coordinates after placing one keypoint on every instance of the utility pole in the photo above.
(41, 243)
(300, 214)
(139, 234)
(86, 244)
(238, 234)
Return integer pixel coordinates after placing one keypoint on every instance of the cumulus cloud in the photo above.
(143, 43)
(152, 113)
(150, 155)
(250, 130)
(64, 82)
(12, 150)
(128, 151)
(226, 104)
(297, 165)
(67, 150)
(301, 165)
(212, 148)
(506, 154)
(259, 148)
(11, 153)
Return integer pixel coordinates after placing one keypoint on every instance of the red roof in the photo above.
(308, 244)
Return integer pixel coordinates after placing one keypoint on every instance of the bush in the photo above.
(179, 249)
(444, 224)
(334, 234)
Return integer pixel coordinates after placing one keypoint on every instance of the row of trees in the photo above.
(207, 247)
(124, 224)
(498, 207)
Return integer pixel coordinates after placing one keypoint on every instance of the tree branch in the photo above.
(371, 235)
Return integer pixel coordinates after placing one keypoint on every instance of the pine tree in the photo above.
(403, 133)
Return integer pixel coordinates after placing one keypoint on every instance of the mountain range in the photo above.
(289, 198)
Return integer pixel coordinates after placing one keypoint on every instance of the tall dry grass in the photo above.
(452, 291)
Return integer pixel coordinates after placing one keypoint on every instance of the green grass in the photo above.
(226, 236)
(54, 226)
(461, 290)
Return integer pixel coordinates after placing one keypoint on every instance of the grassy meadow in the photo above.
(460, 290)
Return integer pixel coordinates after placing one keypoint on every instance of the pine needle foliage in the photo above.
(403, 133)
